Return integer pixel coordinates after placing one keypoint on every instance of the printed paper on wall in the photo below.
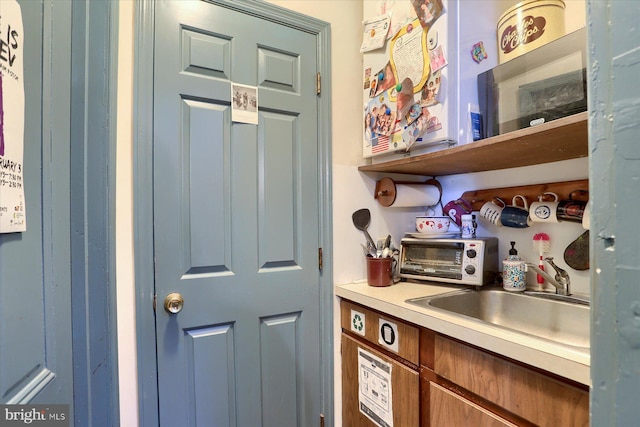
(12, 204)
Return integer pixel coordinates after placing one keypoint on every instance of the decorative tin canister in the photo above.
(528, 25)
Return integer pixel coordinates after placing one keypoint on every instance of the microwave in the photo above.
(542, 85)
(450, 260)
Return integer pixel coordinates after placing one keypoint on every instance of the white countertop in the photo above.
(569, 362)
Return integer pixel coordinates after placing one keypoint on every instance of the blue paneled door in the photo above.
(236, 220)
(35, 265)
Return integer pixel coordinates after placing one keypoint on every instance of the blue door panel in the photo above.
(35, 288)
(204, 193)
(236, 220)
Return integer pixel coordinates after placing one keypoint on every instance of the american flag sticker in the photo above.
(380, 144)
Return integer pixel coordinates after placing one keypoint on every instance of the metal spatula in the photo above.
(361, 220)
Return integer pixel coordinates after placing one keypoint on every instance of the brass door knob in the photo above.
(173, 303)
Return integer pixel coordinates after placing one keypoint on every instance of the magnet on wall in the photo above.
(478, 53)
(432, 39)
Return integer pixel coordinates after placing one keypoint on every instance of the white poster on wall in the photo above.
(374, 388)
(12, 204)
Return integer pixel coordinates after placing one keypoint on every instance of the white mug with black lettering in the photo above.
(492, 210)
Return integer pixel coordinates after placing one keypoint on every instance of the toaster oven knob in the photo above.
(471, 253)
(470, 269)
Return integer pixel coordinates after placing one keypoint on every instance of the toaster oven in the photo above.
(450, 260)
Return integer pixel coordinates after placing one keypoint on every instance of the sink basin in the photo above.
(559, 321)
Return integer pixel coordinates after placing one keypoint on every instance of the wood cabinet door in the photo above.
(532, 395)
(451, 410)
(404, 388)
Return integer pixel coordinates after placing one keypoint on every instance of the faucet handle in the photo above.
(561, 274)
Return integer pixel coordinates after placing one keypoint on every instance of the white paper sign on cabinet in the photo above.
(374, 388)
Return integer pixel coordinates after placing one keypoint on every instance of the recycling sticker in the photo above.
(357, 322)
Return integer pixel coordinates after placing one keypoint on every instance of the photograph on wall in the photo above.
(427, 11)
(244, 104)
(384, 80)
(12, 203)
(380, 123)
(431, 90)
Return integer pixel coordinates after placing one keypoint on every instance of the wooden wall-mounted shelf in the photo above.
(563, 189)
(561, 139)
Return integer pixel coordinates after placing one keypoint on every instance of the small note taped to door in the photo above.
(374, 388)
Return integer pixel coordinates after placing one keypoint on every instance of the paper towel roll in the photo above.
(408, 195)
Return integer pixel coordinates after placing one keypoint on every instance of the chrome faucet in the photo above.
(561, 280)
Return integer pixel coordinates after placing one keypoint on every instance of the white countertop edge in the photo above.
(568, 362)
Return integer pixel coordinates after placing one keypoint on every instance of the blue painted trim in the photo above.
(143, 202)
(93, 152)
(143, 214)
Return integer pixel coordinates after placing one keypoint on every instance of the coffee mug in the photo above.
(456, 208)
(571, 210)
(514, 275)
(586, 217)
(544, 211)
(516, 216)
(491, 211)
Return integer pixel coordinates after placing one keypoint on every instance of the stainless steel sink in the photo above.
(559, 321)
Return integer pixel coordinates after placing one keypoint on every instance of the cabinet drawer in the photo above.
(530, 394)
(449, 409)
(398, 337)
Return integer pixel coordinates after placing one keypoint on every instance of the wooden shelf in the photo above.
(561, 139)
(577, 190)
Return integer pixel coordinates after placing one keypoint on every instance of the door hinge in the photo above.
(318, 85)
(320, 259)
(155, 298)
(321, 420)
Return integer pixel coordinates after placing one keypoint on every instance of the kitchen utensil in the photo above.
(541, 244)
(386, 248)
(576, 255)
(361, 220)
